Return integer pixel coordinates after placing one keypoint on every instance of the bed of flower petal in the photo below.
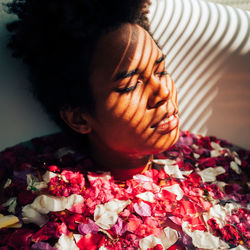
(194, 196)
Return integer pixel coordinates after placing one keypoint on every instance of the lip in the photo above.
(167, 123)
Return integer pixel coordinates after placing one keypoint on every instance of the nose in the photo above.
(160, 91)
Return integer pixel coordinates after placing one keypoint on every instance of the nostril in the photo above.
(156, 105)
(160, 103)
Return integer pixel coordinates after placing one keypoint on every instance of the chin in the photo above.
(167, 141)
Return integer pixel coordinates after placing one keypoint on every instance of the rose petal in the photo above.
(203, 239)
(168, 237)
(140, 177)
(146, 196)
(65, 243)
(43, 204)
(86, 228)
(46, 203)
(176, 190)
(119, 228)
(48, 176)
(143, 209)
(34, 184)
(104, 176)
(170, 167)
(42, 246)
(209, 174)
(149, 242)
(219, 213)
(235, 167)
(106, 215)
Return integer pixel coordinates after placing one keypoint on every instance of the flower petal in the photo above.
(209, 174)
(149, 242)
(142, 208)
(65, 243)
(146, 196)
(169, 237)
(176, 190)
(106, 215)
(86, 228)
(203, 239)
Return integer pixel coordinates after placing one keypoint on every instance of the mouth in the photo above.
(167, 123)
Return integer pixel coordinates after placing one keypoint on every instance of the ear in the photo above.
(77, 120)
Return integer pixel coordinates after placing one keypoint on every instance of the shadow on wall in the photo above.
(22, 117)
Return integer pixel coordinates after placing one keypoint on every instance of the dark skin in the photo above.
(136, 101)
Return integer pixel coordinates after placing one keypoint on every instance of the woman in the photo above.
(96, 68)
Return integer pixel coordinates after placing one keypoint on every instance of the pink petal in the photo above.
(119, 228)
(90, 227)
(143, 209)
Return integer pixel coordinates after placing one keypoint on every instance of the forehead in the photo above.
(126, 48)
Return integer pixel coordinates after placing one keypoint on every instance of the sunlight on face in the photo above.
(136, 100)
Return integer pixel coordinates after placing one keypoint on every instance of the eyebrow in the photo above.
(126, 74)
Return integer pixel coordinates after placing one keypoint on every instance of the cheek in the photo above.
(128, 108)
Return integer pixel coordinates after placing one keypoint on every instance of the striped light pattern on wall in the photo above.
(198, 38)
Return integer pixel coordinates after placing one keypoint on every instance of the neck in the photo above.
(121, 165)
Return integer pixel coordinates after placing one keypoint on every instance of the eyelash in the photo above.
(162, 73)
(129, 89)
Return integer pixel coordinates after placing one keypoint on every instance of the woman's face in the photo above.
(136, 100)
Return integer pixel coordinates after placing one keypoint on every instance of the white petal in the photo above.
(173, 171)
(171, 168)
(176, 190)
(77, 237)
(219, 213)
(7, 183)
(30, 215)
(65, 243)
(169, 237)
(216, 146)
(106, 215)
(164, 162)
(11, 203)
(103, 176)
(33, 183)
(187, 173)
(235, 167)
(236, 158)
(43, 204)
(149, 242)
(196, 156)
(215, 153)
(239, 247)
(146, 196)
(48, 175)
(141, 177)
(203, 239)
(220, 184)
(46, 203)
(102, 248)
(209, 174)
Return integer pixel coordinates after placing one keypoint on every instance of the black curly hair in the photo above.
(56, 40)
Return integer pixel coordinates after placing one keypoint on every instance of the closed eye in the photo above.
(162, 73)
(127, 89)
